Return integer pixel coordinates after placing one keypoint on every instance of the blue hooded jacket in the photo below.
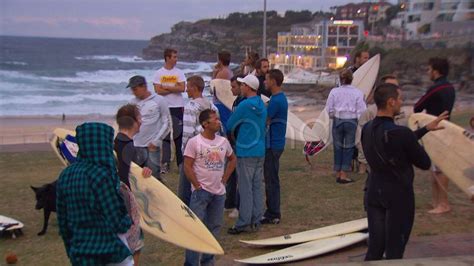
(250, 118)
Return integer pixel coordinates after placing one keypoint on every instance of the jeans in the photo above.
(184, 186)
(232, 194)
(271, 168)
(150, 159)
(250, 179)
(343, 134)
(177, 123)
(210, 209)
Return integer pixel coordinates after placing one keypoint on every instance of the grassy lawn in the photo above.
(310, 199)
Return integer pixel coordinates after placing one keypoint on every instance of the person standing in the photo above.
(248, 65)
(345, 104)
(222, 71)
(205, 165)
(192, 127)
(262, 67)
(277, 116)
(232, 196)
(154, 127)
(92, 217)
(169, 83)
(249, 117)
(437, 99)
(391, 152)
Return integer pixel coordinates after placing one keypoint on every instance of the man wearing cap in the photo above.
(249, 117)
(155, 124)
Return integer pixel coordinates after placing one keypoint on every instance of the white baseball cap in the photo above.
(251, 81)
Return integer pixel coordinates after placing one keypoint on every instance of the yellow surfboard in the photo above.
(162, 213)
(450, 149)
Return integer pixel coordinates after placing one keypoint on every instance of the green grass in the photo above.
(310, 199)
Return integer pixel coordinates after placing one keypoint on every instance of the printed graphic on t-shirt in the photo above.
(212, 158)
(169, 80)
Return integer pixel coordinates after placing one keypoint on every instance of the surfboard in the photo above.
(296, 129)
(450, 149)
(364, 79)
(162, 213)
(307, 250)
(310, 235)
(10, 225)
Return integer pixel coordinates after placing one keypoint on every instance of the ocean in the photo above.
(53, 76)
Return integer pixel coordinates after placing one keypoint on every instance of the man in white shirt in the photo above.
(169, 82)
(155, 124)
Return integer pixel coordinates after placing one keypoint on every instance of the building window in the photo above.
(354, 30)
(343, 30)
(332, 41)
(342, 41)
(332, 30)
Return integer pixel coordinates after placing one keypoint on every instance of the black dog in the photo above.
(46, 200)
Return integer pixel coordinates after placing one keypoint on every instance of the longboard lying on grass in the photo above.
(320, 233)
(450, 149)
(10, 225)
(307, 250)
(162, 213)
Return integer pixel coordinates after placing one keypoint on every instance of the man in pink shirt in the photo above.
(205, 167)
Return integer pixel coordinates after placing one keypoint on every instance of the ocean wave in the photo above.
(103, 76)
(120, 58)
(86, 98)
(15, 63)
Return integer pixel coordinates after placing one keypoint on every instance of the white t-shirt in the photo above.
(170, 77)
(209, 161)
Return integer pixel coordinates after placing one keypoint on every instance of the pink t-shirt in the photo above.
(209, 161)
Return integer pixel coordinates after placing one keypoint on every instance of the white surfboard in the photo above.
(310, 235)
(10, 225)
(450, 149)
(162, 213)
(364, 79)
(296, 129)
(307, 250)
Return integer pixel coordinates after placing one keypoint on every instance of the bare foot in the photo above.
(440, 210)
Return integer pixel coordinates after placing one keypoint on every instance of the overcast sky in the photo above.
(127, 19)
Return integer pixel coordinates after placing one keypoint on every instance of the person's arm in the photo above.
(110, 203)
(416, 153)
(61, 214)
(330, 104)
(231, 163)
(189, 123)
(432, 126)
(160, 89)
(236, 117)
(189, 172)
(422, 103)
(178, 87)
(360, 105)
(163, 123)
(221, 75)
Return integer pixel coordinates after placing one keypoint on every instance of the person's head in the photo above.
(128, 118)
(252, 58)
(235, 85)
(138, 86)
(346, 77)
(171, 56)
(262, 66)
(224, 58)
(438, 67)
(392, 79)
(388, 98)
(273, 79)
(194, 86)
(249, 85)
(209, 121)
(361, 57)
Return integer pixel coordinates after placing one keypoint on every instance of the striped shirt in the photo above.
(192, 109)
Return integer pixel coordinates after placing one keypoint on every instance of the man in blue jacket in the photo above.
(249, 117)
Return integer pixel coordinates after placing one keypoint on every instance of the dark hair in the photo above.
(169, 52)
(383, 92)
(346, 76)
(205, 115)
(235, 77)
(126, 116)
(254, 57)
(276, 75)
(196, 81)
(224, 57)
(359, 54)
(259, 62)
(439, 64)
(384, 78)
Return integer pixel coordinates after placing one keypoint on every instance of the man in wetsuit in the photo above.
(437, 99)
(391, 151)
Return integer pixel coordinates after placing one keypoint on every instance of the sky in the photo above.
(127, 19)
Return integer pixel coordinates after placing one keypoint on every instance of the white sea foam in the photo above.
(16, 63)
(120, 58)
(76, 98)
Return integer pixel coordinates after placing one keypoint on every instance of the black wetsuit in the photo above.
(391, 151)
(438, 98)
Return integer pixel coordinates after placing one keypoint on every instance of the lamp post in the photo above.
(264, 45)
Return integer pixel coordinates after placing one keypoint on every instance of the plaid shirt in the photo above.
(90, 210)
